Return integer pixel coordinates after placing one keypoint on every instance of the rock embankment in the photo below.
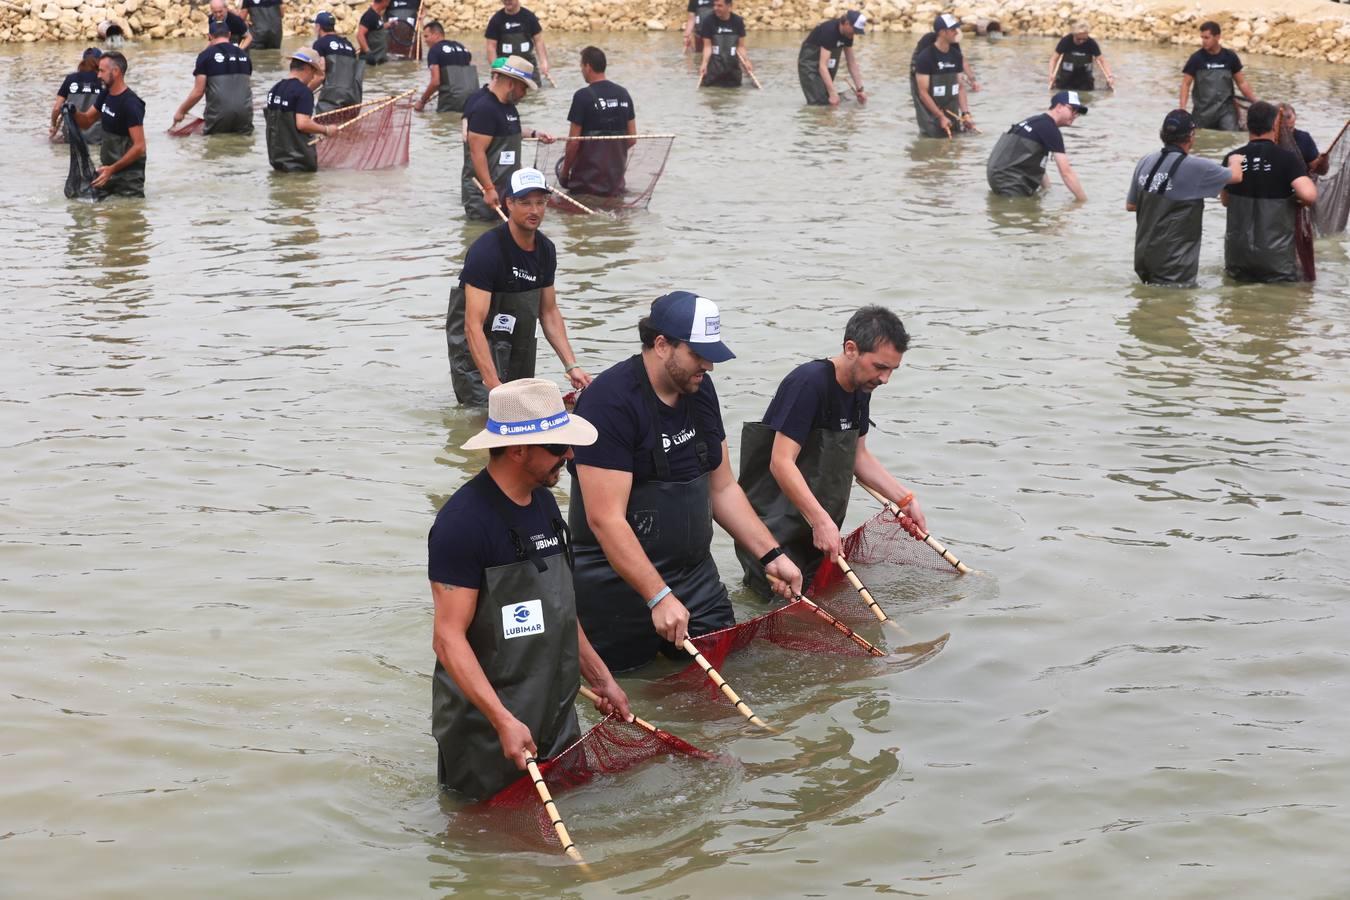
(1309, 29)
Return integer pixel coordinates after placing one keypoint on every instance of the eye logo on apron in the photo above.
(522, 619)
(507, 158)
(504, 322)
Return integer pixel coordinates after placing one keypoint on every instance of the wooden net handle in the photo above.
(816, 608)
(640, 722)
(532, 765)
(913, 528)
(497, 209)
(721, 683)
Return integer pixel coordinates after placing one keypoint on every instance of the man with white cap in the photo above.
(288, 112)
(646, 493)
(505, 289)
(939, 103)
(493, 136)
(343, 72)
(509, 648)
(818, 59)
(1016, 167)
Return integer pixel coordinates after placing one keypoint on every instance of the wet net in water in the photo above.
(372, 135)
(402, 38)
(188, 127)
(884, 538)
(611, 746)
(1333, 189)
(79, 180)
(606, 172)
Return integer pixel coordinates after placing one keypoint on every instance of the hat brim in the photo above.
(1079, 108)
(528, 82)
(714, 353)
(527, 192)
(576, 433)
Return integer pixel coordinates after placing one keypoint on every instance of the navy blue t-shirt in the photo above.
(371, 20)
(601, 108)
(334, 45)
(517, 30)
(933, 61)
(291, 95)
(402, 9)
(1307, 147)
(223, 59)
(700, 7)
(449, 53)
(1269, 171)
(616, 404)
(122, 112)
(473, 99)
(828, 35)
(1043, 130)
(487, 268)
(469, 536)
(81, 83)
(711, 26)
(1224, 59)
(1089, 46)
(490, 116)
(806, 398)
(238, 27)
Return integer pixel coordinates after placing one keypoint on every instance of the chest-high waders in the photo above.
(1075, 72)
(945, 89)
(82, 100)
(598, 167)
(503, 159)
(724, 63)
(509, 329)
(287, 148)
(265, 23)
(673, 524)
(1258, 244)
(342, 83)
(457, 83)
(825, 461)
(229, 103)
(130, 182)
(1016, 167)
(378, 42)
(534, 673)
(1167, 231)
(808, 73)
(1214, 100)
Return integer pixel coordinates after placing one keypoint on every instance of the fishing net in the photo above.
(79, 181)
(606, 171)
(1333, 189)
(188, 127)
(611, 746)
(1303, 215)
(402, 38)
(884, 538)
(372, 134)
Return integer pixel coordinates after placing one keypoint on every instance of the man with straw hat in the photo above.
(509, 649)
(505, 289)
(646, 493)
(493, 136)
(289, 111)
(798, 464)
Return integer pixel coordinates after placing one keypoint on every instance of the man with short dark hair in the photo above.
(723, 34)
(799, 462)
(400, 20)
(451, 75)
(493, 136)
(515, 31)
(289, 112)
(1211, 71)
(371, 37)
(240, 36)
(343, 72)
(264, 23)
(1317, 162)
(509, 648)
(222, 74)
(698, 11)
(1258, 243)
(1016, 166)
(1073, 59)
(1167, 194)
(122, 114)
(818, 59)
(505, 289)
(941, 107)
(645, 494)
(601, 108)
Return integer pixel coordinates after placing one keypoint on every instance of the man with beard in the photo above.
(505, 289)
(239, 33)
(452, 76)
(223, 75)
(1212, 71)
(493, 136)
(645, 494)
(264, 23)
(509, 649)
(515, 31)
(121, 154)
(343, 72)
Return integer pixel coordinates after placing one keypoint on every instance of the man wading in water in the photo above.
(342, 70)
(1073, 59)
(818, 59)
(1211, 71)
(493, 136)
(288, 112)
(940, 104)
(222, 75)
(601, 108)
(1016, 166)
(121, 155)
(509, 650)
(798, 464)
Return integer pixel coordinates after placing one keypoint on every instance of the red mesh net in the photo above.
(402, 38)
(611, 746)
(188, 127)
(884, 538)
(606, 172)
(372, 134)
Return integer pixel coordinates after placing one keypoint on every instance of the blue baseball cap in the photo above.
(1069, 98)
(93, 53)
(325, 20)
(689, 317)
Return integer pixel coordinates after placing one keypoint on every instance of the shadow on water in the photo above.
(112, 240)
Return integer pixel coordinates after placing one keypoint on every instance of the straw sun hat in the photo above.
(530, 411)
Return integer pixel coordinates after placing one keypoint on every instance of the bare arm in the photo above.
(869, 470)
(433, 85)
(1241, 79)
(56, 112)
(827, 76)
(543, 52)
(970, 74)
(1305, 190)
(491, 50)
(555, 330)
(478, 147)
(632, 129)
(689, 32)
(594, 670)
(703, 66)
(1130, 207)
(1070, 177)
(851, 60)
(1054, 67)
(198, 89)
(1186, 82)
(1106, 70)
(571, 151)
(307, 125)
(783, 468)
(1235, 163)
(247, 41)
(476, 304)
(732, 510)
(455, 607)
(740, 52)
(361, 43)
(85, 118)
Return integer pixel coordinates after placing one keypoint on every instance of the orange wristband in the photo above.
(905, 500)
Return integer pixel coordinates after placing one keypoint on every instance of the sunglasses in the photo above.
(556, 449)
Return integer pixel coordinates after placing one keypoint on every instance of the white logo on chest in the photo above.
(521, 619)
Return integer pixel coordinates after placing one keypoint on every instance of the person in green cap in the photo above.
(493, 136)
